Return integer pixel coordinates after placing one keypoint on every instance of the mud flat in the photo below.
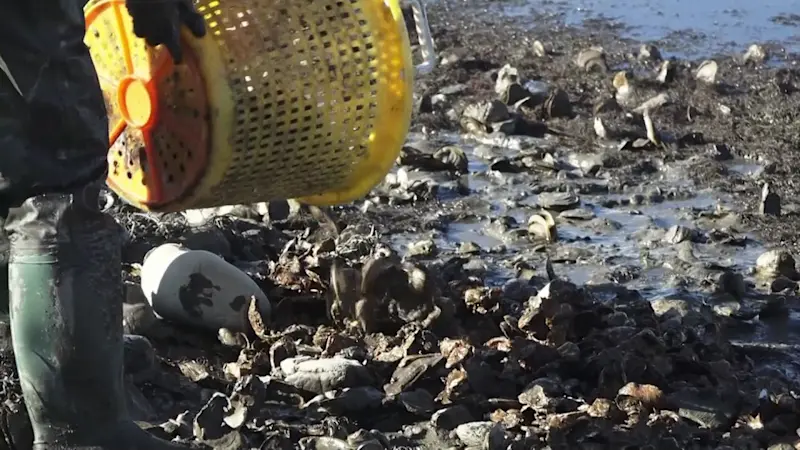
(551, 264)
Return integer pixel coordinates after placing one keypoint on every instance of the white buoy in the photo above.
(199, 289)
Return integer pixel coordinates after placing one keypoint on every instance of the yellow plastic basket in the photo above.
(305, 99)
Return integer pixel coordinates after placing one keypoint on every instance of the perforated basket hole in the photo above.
(104, 45)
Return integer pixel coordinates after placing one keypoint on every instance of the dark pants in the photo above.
(53, 137)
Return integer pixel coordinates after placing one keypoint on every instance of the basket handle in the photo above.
(424, 37)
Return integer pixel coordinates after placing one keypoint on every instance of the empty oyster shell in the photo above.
(755, 54)
(652, 135)
(620, 80)
(506, 76)
(600, 128)
(543, 226)
(539, 49)
(627, 95)
(649, 52)
(558, 104)
(653, 103)
(345, 292)
(592, 59)
(707, 72)
(604, 105)
(666, 72)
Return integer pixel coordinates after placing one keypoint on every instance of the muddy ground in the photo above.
(650, 304)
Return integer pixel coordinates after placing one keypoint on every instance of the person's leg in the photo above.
(64, 259)
(66, 316)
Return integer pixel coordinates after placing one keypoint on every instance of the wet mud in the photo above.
(549, 265)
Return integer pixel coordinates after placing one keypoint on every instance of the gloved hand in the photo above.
(160, 22)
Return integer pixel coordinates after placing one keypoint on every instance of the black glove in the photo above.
(160, 22)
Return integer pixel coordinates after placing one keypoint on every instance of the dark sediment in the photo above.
(434, 339)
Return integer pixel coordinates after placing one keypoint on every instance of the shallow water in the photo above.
(745, 167)
(635, 247)
(720, 24)
(634, 242)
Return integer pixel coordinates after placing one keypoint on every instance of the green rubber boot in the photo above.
(66, 324)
